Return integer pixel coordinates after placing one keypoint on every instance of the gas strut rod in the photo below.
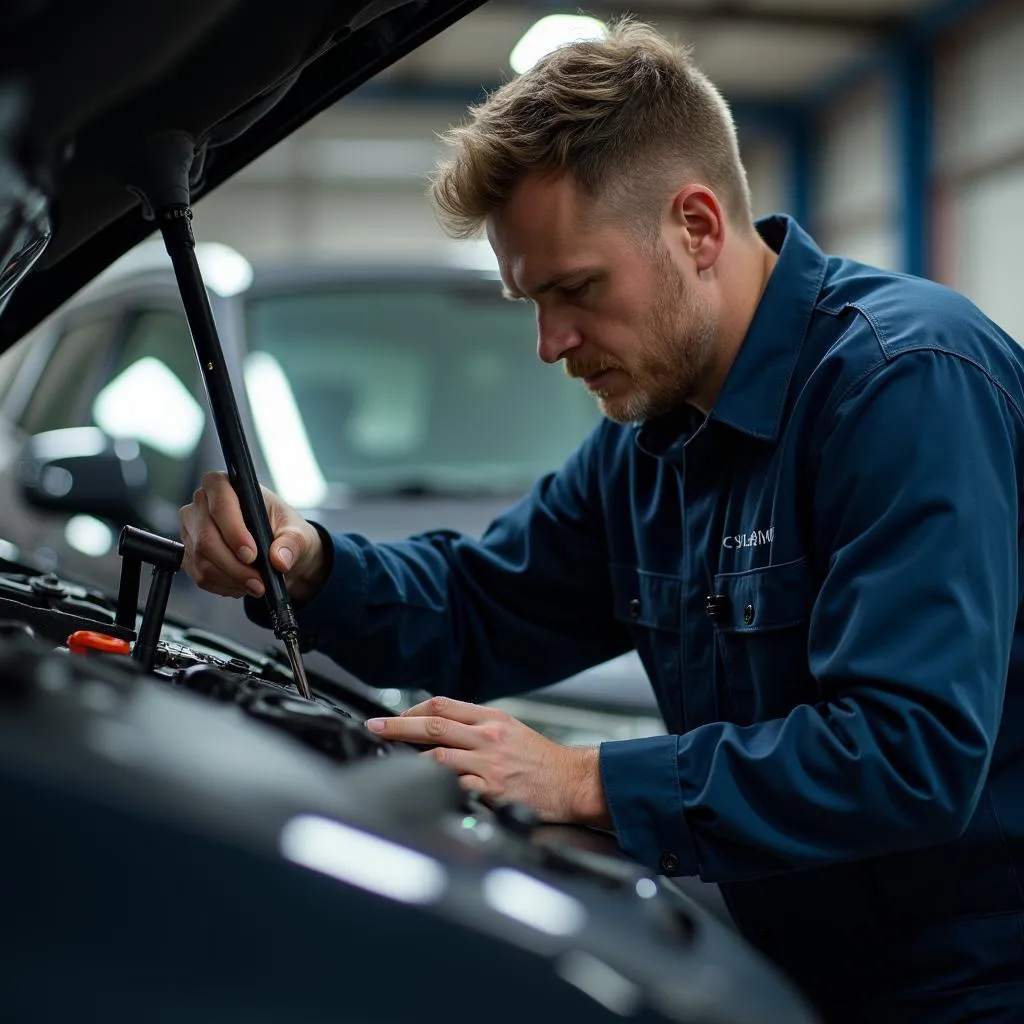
(164, 168)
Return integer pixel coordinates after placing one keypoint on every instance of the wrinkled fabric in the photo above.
(822, 578)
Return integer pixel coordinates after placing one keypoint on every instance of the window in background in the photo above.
(420, 388)
(153, 396)
(61, 396)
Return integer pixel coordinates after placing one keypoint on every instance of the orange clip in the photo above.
(86, 640)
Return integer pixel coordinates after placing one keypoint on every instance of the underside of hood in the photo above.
(83, 85)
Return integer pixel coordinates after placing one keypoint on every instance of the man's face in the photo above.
(620, 313)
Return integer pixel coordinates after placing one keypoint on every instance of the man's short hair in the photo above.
(628, 116)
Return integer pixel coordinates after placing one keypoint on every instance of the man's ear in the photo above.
(697, 217)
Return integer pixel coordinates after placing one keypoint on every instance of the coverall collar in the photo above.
(753, 396)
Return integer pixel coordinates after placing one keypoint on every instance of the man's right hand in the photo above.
(220, 552)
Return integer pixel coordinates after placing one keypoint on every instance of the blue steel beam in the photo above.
(920, 30)
(801, 170)
(906, 62)
(912, 83)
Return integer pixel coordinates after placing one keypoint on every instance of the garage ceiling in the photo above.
(765, 55)
(754, 50)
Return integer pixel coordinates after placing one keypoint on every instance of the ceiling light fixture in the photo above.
(549, 34)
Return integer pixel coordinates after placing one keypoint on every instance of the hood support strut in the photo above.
(159, 174)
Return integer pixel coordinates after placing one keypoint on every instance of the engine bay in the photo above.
(81, 622)
(205, 776)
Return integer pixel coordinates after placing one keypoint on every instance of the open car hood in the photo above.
(82, 83)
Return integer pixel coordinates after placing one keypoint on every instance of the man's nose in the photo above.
(555, 337)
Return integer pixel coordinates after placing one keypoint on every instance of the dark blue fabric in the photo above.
(845, 731)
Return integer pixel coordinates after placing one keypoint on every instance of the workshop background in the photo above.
(892, 129)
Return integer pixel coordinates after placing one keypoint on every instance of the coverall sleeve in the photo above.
(915, 516)
(528, 604)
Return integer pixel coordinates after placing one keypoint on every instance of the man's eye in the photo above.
(577, 291)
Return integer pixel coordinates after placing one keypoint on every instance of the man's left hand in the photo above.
(502, 759)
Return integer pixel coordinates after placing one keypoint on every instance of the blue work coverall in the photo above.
(822, 578)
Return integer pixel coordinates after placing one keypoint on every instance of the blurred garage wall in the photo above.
(894, 129)
(854, 200)
(979, 162)
(351, 181)
(770, 175)
(354, 180)
(919, 159)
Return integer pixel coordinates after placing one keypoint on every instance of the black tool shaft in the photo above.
(176, 228)
(128, 592)
(144, 650)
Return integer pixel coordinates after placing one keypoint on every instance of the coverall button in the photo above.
(669, 863)
(634, 608)
(748, 614)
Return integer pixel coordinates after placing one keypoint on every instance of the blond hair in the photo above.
(624, 115)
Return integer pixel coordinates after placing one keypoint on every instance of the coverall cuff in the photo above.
(641, 789)
(341, 598)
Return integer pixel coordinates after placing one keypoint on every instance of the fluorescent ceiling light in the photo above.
(225, 271)
(549, 34)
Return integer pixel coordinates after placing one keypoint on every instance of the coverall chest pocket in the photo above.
(761, 624)
(648, 603)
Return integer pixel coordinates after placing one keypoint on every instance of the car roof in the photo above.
(227, 273)
(83, 83)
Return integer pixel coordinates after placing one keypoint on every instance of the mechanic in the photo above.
(802, 509)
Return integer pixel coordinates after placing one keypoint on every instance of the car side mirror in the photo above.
(82, 471)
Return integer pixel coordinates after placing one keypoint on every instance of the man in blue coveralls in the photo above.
(802, 509)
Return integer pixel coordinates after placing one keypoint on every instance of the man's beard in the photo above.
(670, 363)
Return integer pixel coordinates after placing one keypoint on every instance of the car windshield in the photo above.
(406, 389)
